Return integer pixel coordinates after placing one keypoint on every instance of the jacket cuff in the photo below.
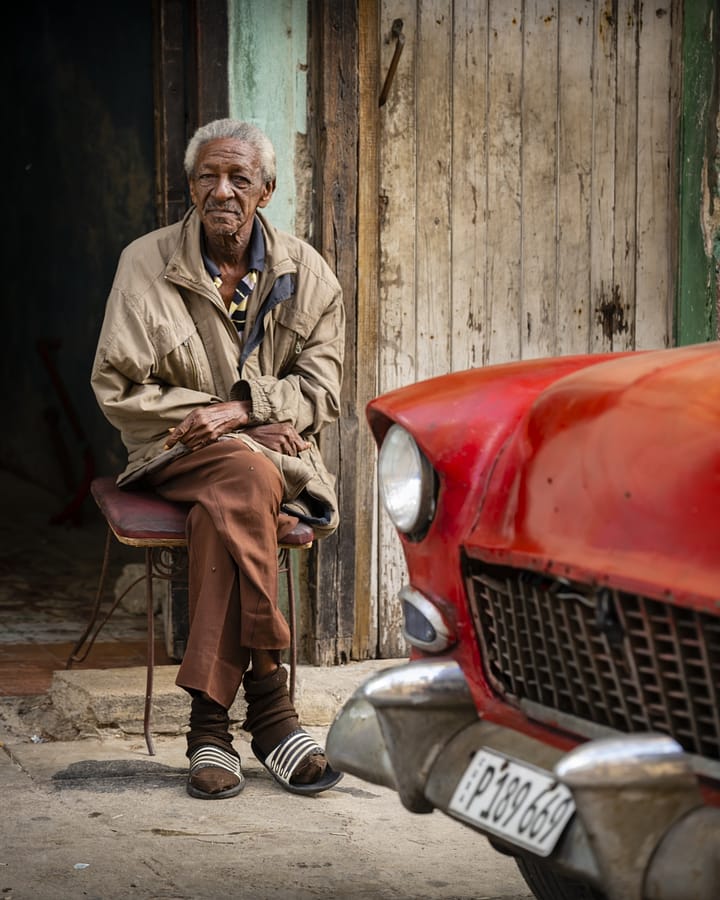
(240, 391)
(261, 409)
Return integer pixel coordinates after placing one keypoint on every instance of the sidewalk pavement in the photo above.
(95, 817)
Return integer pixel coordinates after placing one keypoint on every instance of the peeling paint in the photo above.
(611, 314)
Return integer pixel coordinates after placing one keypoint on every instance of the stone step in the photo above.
(96, 700)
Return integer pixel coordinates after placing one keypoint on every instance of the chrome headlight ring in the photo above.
(407, 481)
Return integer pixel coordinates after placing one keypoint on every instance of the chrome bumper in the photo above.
(641, 831)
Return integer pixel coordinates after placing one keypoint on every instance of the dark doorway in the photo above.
(79, 174)
(100, 100)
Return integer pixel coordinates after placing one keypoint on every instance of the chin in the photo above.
(221, 229)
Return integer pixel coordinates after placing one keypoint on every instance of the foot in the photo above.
(271, 718)
(214, 765)
(290, 756)
(214, 774)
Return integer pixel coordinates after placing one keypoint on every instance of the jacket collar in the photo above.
(186, 265)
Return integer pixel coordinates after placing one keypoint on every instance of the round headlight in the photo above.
(407, 482)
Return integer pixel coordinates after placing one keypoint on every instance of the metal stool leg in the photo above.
(96, 609)
(150, 649)
(76, 655)
(285, 568)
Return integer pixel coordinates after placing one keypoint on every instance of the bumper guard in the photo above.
(641, 831)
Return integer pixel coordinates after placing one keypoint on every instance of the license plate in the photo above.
(526, 806)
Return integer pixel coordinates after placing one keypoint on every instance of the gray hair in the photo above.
(241, 131)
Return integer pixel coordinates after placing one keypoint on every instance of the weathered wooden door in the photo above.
(527, 179)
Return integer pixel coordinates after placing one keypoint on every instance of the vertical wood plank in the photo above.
(552, 218)
(211, 54)
(697, 312)
(267, 52)
(334, 145)
(170, 110)
(657, 188)
(538, 272)
(677, 13)
(397, 356)
(397, 203)
(503, 183)
(575, 103)
(621, 323)
(602, 274)
(468, 207)
(432, 199)
(366, 610)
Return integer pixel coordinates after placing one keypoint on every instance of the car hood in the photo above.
(606, 471)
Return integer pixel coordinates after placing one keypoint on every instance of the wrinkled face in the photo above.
(227, 187)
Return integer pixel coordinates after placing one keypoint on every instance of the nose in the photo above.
(223, 188)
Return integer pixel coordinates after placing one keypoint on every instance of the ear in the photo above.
(191, 185)
(267, 193)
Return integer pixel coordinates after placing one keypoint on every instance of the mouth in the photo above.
(219, 211)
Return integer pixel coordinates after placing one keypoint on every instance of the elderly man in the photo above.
(219, 361)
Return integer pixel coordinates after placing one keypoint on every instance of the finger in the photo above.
(201, 442)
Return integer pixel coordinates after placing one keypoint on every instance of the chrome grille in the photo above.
(611, 658)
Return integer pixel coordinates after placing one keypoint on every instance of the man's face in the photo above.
(227, 187)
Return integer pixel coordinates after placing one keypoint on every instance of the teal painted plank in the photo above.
(267, 63)
(696, 317)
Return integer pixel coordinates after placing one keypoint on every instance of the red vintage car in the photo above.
(560, 521)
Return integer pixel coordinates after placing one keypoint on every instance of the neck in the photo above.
(231, 249)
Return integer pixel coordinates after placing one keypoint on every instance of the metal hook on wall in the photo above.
(397, 33)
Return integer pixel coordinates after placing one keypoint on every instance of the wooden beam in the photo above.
(210, 40)
(696, 315)
(169, 87)
(191, 88)
(333, 139)
(365, 607)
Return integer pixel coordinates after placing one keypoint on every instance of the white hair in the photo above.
(241, 131)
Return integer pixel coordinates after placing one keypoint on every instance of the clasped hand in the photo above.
(206, 424)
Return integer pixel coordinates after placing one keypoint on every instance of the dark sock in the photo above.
(209, 723)
(271, 716)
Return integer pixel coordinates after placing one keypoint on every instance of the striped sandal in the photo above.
(211, 757)
(283, 762)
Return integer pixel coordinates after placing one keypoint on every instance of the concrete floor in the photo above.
(98, 818)
(103, 821)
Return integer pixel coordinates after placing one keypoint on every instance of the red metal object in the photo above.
(614, 475)
(602, 469)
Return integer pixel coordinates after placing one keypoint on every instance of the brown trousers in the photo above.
(232, 534)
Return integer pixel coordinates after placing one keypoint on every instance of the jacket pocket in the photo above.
(184, 362)
(291, 330)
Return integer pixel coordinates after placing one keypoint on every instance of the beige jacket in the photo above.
(168, 345)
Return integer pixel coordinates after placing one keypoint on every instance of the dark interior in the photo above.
(80, 183)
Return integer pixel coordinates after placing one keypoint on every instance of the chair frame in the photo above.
(158, 565)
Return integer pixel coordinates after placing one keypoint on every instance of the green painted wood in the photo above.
(267, 64)
(696, 315)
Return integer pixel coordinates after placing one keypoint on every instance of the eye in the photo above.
(205, 179)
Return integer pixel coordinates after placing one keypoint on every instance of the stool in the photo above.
(145, 519)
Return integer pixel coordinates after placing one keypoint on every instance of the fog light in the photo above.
(423, 624)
